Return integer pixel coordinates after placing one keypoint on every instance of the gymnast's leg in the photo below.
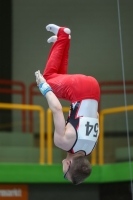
(57, 62)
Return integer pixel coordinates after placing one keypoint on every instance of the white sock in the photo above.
(53, 28)
(52, 39)
(67, 30)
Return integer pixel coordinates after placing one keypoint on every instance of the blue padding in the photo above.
(44, 91)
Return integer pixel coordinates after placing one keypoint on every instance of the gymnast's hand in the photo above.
(44, 87)
(39, 78)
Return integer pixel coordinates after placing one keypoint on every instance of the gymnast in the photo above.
(78, 136)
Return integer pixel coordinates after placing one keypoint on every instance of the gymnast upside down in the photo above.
(78, 135)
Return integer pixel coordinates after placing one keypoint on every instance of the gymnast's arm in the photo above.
(56, 108)
(58, 117)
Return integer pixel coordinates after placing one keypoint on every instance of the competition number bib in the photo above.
(88, 128)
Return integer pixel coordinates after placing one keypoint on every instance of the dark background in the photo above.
(5, 58)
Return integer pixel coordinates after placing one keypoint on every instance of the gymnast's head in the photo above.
(76, 169)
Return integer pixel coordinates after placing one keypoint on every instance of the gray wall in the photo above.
(95, 46)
